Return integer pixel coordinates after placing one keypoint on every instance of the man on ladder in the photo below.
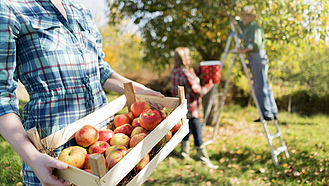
(253, 43)
(253, 38)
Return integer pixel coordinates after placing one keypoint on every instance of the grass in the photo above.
(241, 151)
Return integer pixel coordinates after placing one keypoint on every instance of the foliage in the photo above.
(123, 51)
(169, 24)
(204, 25)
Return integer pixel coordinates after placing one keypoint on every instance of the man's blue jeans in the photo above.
(196, 130)
(258, 64)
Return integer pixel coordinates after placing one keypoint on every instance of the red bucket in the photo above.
(211, 70)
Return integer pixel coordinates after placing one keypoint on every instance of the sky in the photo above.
(98, 8)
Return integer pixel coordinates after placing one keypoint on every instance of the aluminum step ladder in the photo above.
(270, 137)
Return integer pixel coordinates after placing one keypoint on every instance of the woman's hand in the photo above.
(147, 91)
(43, 166)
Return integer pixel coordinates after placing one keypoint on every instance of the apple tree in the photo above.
(290, 28)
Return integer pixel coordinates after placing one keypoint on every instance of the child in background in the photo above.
(181, 75)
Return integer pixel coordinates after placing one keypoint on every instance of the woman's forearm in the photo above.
(12, 130)
(115, 83)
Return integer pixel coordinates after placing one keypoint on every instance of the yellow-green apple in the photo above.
(83, 149)
(176, 127)
(164, 112)
(126, 129)
(138, 107)
(86, 136)
(141, 164)
(136, 139)
(136, 122)
(150, 119)
(114, 157)
(108, 150)
(120, 139)
(98, 147)
(105, 135)
(73, 155)
(138, 130)
(87, 163)
(121, 119)
(165, 138)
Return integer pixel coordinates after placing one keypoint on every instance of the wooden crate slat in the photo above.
(140, 178)
(169, 102)
(121, 169)
(75, 175)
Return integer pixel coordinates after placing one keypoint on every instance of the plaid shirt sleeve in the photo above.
(8, 80)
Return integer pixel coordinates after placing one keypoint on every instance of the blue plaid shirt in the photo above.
(59, 62)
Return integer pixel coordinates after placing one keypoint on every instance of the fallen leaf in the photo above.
(262, 170)
(296, 173)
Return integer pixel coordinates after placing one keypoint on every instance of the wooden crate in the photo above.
(121, 169)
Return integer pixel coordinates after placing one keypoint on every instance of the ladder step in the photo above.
(275, 135)
(208, 142)
(279, 150)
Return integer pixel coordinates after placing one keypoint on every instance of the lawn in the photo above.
(241, 151)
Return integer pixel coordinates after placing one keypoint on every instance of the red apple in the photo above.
(98, 147)
(121, 119)
(138, 107)
(87, 163)
(150, 119)
(138, 130)
(86, 136)
(144, 161)
(136, 139)
(114, 157)
(105, 135)
(176, 127)
(73, 155)
(126, 129)
(120, 139)
(165, 138)
(108, 150)
(136, 122)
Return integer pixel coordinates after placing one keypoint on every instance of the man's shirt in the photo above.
(253, 36)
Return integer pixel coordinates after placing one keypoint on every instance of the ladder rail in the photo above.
(283, 147)
(274, 152)
(208, 108)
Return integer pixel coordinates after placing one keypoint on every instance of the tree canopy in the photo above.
(204, 25)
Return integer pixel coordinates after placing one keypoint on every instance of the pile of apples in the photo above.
(128, 130)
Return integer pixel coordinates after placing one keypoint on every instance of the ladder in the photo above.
(270, 137)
